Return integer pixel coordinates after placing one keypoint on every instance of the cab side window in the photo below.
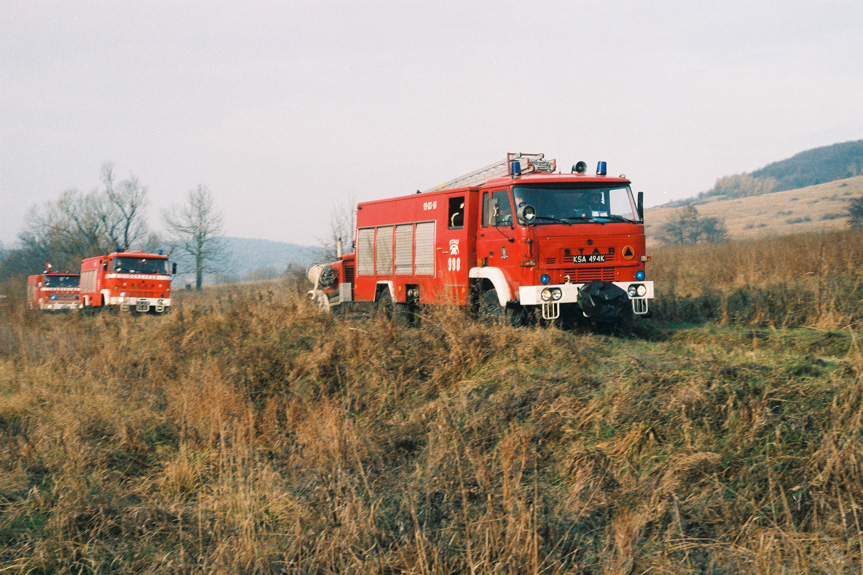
(496, 209)
(456, 213)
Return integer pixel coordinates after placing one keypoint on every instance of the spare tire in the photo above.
(602, 301)
(329, 277)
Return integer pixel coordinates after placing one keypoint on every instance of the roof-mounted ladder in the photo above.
(527, 164)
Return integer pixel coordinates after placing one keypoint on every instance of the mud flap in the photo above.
(603, 301)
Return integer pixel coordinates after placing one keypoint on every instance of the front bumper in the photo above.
(532, 296)
(141, 304)
(58, 305)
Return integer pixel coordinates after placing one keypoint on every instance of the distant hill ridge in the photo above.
(248, 258)
(249, 254)
(812, 167)
(816, 166)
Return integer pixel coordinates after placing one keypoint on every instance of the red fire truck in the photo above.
(515, 241)
(135, 281)
(53, 291)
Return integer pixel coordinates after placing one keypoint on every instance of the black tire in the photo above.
(624, 323)
(384, 305)
(490, 311)
(403, 314)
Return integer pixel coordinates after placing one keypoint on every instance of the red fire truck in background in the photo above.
(515, 241)
(53, 291)
(135, 281)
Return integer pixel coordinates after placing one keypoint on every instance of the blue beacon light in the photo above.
(639, 275)
(544, 279)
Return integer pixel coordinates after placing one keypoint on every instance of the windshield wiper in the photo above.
(616, 218)
(556, 220)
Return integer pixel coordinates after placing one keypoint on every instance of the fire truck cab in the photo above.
(527, 243)
(53, 291)
(127, 281)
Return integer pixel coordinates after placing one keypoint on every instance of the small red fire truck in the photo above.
(52, 291)
(135, 281)
(514, 241)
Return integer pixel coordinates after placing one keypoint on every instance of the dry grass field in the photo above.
(247, 433)
(813, 209)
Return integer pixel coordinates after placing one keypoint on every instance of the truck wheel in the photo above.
(384, 304)
(490, 310)
(398, 313)
(624, 323)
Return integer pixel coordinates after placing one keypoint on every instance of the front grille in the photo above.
(349, 274)
(584, 275)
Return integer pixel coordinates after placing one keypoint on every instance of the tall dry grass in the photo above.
(813, 280)
(247, 433)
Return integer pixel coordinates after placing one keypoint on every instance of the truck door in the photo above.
(454, 249)
(495, 247)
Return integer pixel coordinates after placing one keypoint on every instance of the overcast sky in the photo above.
(286, 109)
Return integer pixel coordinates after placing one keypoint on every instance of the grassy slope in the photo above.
(812, 209)
(246, 433)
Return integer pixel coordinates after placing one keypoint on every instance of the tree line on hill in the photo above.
(689, 227)
(809, 168)
(816, 166)
(79, 225)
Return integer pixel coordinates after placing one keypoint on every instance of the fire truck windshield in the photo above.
(576, 203)
(61, 281)
(149, 266)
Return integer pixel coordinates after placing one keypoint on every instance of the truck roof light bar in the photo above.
(515, 165)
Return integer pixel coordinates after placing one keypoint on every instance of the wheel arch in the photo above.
(388, 286)
(497, 279)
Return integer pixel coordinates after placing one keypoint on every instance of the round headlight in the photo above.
(545, 294)
(632, 290)
(639, 275)
(526, 212)
(544, 279)
(641, 290)
(556, 294)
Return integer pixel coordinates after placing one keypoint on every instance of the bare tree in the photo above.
(122, 208)
(343, 218)
(195, 230)
(688, 227)
(65, 231)
(80, 225)
(855, 213)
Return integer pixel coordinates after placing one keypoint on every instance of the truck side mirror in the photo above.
(105, 265)
(641, 206)
(174, 268)
(493, 211)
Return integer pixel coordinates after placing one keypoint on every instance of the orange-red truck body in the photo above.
(128, 280)
(53, 291)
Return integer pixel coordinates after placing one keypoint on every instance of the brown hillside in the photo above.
(811, 209)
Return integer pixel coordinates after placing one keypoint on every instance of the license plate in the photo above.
(591, 259)
(142, 305)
